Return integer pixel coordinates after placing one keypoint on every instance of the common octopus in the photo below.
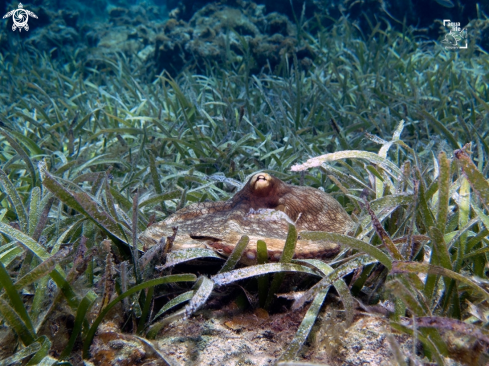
(262, 209)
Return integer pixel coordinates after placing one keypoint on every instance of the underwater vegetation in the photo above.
(170, 36)
(93, 151)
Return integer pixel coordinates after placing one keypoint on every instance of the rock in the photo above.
(170, 52)
(112, 348)
(56, 35)
(70, 18)
(146, 53)
(184, 9)
(130, 32)
(228, 337)
(221, 33)
(364, 342)
(117, 12)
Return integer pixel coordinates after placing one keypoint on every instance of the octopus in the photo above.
(263, 210)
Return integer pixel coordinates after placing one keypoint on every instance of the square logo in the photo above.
(457, 37)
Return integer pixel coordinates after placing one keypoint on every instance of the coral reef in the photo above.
(261, 34)
(220, 33)
(415, 13)
(217, 33)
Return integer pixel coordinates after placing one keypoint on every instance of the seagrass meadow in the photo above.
(395, 127)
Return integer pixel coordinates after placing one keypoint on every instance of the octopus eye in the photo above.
(261, 183)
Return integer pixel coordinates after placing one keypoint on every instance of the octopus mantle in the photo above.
(263, 210)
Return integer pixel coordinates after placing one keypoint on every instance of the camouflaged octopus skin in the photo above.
(262, 210)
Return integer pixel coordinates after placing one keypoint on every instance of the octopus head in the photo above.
(262, 184)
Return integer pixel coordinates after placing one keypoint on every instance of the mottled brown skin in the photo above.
(219, 225)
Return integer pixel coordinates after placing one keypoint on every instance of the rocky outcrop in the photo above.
(220, 33)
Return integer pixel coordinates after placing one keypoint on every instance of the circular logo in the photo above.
(20, 18)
